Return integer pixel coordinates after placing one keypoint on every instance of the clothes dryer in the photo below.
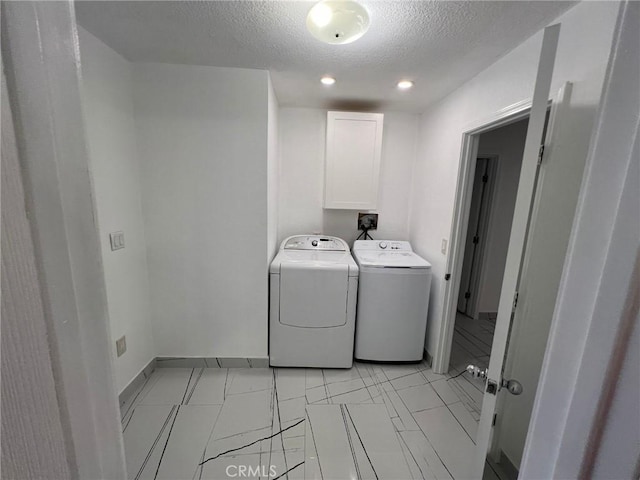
(313, 291)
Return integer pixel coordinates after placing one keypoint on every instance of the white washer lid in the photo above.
(397, 259)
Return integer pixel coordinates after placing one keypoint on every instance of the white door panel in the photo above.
(517, 239)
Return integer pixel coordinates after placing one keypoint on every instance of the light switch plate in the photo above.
(121, 345)
(443, 246)
(117, 240)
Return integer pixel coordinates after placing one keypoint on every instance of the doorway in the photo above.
(473, 335)
(493, 195)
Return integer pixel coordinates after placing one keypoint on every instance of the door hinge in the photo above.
(495, 417)
(540, 154)
(515, 300)
(476, 239)
(447, 276)
(485, 178)
(467, 294)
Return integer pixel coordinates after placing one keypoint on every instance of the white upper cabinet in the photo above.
(352, 165)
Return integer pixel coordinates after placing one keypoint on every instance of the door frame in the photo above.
(41, 61)
(564, 438)
(457, 238)
(477, 273)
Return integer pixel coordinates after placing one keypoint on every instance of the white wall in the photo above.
(108, 112)
(202, 139)
(508, 144)
(273, 167)
(585, 39)
(302, 146)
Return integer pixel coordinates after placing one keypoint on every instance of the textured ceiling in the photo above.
(438, 45)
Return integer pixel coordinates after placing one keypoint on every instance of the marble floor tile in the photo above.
(426, 458)
(444, 391)
(416, 473)
(373, 421)
(288, 464)
(317, 394)
(449, 440)
(359, 396)
(314, 377)
(474, 390)
(431, 376)
(245, 380)
(170, 387)
(397, 408)
(411, 380)
(376, 434)
(290, 411)
(311, 463)
(420, 398)
(231, 466)
(354, 441)
(209, 388)
(142, 432)
(346, 386)
(340, 375)
(291, 383)
(151, 463)
(331, 443)
(182, 452)
(465, 419)
(243, 419)
(395, 371)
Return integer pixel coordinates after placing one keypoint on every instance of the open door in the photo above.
(495, 384)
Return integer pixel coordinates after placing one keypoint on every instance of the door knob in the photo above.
(514, 386)
(476, 372)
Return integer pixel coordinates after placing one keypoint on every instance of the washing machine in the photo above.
(313, 290)
(393, 299)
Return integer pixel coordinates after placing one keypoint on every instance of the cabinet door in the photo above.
(352, 167)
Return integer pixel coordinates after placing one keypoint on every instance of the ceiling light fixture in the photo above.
(405, 84)
(326, 80)
(338, 21)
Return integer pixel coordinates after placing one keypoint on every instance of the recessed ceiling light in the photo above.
(405, 84)
(338, 21)
(326, 80)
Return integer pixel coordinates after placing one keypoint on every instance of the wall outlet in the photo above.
(367, 221)
(117, 240)
(443, 246)
(121, 345)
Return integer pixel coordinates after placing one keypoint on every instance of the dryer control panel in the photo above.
(315, 242)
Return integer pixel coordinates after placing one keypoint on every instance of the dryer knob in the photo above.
(382, 245)
(314, 243)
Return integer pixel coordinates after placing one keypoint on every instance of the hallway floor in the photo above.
(371, 421)
(472, 340)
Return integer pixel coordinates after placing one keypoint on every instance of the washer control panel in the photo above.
(315, 242)
(382, 245)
